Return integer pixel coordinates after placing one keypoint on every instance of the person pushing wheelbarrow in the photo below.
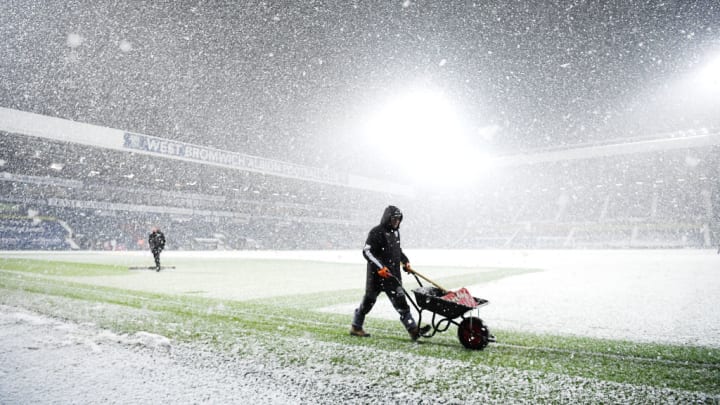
(384, 258)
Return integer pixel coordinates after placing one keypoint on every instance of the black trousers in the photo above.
(374, 285)
(156, 256)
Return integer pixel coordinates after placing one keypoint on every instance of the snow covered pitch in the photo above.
(270, 316)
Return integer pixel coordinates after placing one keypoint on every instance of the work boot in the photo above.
(416, 332)
(358, 332)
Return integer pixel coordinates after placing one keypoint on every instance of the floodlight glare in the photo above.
(710, 74)
(421, 132)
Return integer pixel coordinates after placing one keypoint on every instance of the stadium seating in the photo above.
(32, 234)
(110, 200)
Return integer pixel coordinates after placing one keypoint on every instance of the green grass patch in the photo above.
(278, 328)
(469, 276)
(60, 268)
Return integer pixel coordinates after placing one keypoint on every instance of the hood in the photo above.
(390, 211)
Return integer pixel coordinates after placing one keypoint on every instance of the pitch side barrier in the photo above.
(58, 129)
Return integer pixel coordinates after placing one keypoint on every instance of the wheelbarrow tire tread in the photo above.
(473, 334)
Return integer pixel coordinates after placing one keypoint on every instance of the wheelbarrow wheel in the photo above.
(473, 334)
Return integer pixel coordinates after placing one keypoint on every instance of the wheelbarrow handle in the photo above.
(417, 274)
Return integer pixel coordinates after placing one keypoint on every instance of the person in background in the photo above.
(156, 241)
(384, 257)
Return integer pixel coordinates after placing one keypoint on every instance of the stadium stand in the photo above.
(663, 199)
(21, 232)
(109, 199)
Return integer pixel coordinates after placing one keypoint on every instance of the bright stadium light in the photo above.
(705, 80)
(693, 97)
(421, 133)
(710, 74)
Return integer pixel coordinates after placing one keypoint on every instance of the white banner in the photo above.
(30, 124)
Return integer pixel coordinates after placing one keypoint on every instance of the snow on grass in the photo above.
(647, 296)
(78, 363)
(187, 335)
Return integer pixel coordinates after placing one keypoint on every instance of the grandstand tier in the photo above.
(110, 199)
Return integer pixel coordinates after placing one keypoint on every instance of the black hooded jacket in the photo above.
(156, 240)
(382, 247)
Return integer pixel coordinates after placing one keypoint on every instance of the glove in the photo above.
(407, 268)
(384, 272)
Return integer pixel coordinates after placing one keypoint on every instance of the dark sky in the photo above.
(295, 80)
